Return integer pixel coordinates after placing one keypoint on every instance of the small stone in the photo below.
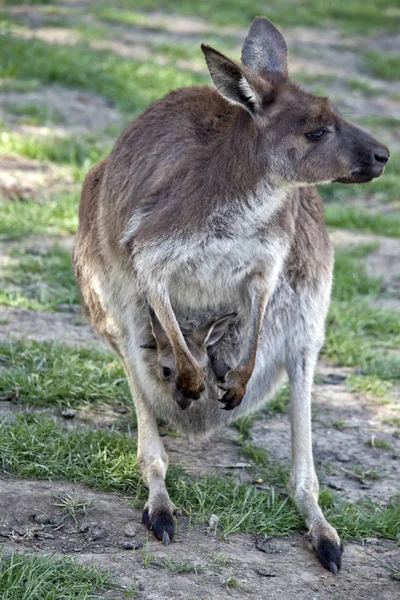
(213, 521)
(68, 413)
(334, 379)
(265, 572)
(342, 457)
(371, 540)
(97, 533)
(84, 528)
(130, 529)
(265, 545)
(42, 519)
(131, 545)
(42, 535)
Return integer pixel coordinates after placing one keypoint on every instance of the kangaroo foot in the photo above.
(327, 545)
(160, 521)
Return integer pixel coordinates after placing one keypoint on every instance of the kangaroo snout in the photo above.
(372, 166)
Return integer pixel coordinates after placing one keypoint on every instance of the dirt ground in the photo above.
(345, 423)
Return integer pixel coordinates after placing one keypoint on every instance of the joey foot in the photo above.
(190, 381)
(235, 383)
(327, 546)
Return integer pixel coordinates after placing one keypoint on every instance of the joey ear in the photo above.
(238, 84)
(264, 49)
(210, 334)
(158, 331)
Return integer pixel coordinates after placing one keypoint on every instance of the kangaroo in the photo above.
(205, 207)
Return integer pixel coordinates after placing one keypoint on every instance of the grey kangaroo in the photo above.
(205, 212)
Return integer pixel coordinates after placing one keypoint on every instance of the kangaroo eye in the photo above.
(317, 134)
(166, 372)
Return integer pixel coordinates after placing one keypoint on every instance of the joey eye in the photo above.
(317, 134)
(166, 371)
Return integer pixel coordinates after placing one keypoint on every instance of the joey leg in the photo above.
(236, 380)
(191, 377)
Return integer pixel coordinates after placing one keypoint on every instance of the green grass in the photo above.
(131, 84)
(360, 219)
(353, 16)
(35, 114)
(360, 85)
(371, 385)
(49, 374)
(358, 335)
(40, 448)
(383, 64)
(26, 576)
(379, 443)
(58, 215)
(39, 281)
(350, 278)
(79, 154)
(19, 85)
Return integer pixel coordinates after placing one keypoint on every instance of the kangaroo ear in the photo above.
(237, 83)
(158, 332)
(264, 49)
(210, 334)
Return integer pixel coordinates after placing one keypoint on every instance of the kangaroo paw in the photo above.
(161, 522)
(328, 547)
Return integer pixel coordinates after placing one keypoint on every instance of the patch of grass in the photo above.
(358, 335)
(244, 424)
(364, 518)
(26, 576)
(280, 401)
(41, 448)
(271, 471)
(78, 153)
(341, 425)
(369, 385)
(40, 281)
(19, 85)
(177, 566)
(355, 83)
(58, 215)
(231, 582)
(383, 64)
(50, 374)
(221, 560)
(35, 114)
(378, 443)
(353, 16)
(132, 84)
(72, 507)
(351, 279)
(381, 121)
(359, 219)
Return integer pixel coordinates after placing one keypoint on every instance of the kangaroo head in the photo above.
(197, 342)
(299, 138)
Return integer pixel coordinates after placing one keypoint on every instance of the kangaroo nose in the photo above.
(381, 155)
